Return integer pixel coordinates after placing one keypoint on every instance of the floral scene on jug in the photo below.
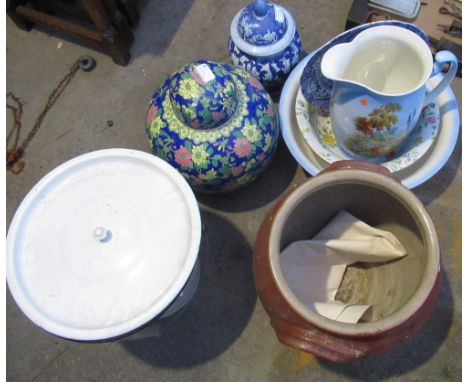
(376, 132)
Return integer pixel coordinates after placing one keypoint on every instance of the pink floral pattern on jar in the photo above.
(236, 171)
(183, 157)
(152, 110)
(242, 147)
(255, 83)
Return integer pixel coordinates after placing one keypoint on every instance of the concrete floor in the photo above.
(224, 334)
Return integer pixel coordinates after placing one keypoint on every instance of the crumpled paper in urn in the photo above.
(314, 268)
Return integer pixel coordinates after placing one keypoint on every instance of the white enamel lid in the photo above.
(102, 244)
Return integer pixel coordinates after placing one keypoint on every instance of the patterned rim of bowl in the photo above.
(315, 87)
(318, 133)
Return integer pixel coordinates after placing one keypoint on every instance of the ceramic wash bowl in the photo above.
(411, 175)
(402, 293)
(215, 123)
(316, 128)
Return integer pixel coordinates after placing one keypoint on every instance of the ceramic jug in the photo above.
(380, 87)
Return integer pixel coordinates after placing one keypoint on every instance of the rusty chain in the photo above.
(15, 154)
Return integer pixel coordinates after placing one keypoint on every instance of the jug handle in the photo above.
(441, 58)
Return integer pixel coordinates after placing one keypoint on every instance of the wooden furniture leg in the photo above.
(20, 22)
(113, 41)
(54, 22)
(101, 21)
(130, 10)
(61, 7)
(119, 20)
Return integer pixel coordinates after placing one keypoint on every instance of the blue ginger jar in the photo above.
(264, 41)
(215, 123)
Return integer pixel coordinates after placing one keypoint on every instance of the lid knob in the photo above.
(261, 24)
(102, 234)
(260, 8)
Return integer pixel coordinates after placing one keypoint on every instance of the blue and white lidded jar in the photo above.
(264, 41)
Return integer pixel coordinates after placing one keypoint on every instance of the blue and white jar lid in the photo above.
(263, 28)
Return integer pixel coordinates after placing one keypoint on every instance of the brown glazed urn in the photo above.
(402, 293)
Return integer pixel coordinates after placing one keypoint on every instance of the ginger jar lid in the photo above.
(263, 28)
(203, 95)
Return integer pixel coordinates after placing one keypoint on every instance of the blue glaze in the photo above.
(272, 69)
(259, 24)
(260, 8)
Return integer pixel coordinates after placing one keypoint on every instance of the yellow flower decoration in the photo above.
(329, 139)
(156, 125)
(199, 155)
(251, 132)
(189, 112)
(210, 175)
(185, 132)
(228, 87)
(188, 88)
(244, 179)
(211, 136)
(242, 73)
(268, 138)
(251, 163)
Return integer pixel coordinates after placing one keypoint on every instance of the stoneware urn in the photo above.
(264, 41)
(402, 293)
(215, 123)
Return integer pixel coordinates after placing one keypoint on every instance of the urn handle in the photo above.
(316, 342)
